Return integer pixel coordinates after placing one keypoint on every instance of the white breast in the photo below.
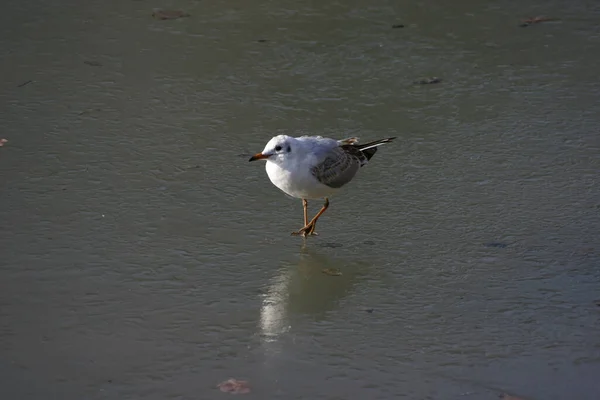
(297, 181)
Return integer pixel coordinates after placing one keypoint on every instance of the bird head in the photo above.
(278, 148)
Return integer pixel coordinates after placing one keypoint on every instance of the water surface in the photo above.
(144, 257)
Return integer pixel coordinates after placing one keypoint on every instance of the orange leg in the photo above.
(309, 228)
(305, 205)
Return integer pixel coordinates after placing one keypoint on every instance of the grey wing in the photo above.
(338, 167)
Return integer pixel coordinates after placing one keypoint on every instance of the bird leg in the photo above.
(305, 205)
(309, 228)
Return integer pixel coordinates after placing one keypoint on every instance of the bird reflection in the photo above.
(303, 289)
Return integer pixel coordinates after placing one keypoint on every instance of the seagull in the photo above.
(314, 167)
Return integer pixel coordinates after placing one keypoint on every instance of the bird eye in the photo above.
(277, 148)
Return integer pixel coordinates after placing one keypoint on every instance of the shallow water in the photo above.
(144, 257)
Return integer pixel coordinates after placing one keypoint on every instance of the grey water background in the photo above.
(142, 256)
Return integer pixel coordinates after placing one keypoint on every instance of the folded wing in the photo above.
(341, 163)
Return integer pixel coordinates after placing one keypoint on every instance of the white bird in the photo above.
(313, 167)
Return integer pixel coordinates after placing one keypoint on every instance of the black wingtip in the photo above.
(369, 149)
(369, 153)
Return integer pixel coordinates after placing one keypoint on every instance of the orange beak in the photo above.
(258, 156)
